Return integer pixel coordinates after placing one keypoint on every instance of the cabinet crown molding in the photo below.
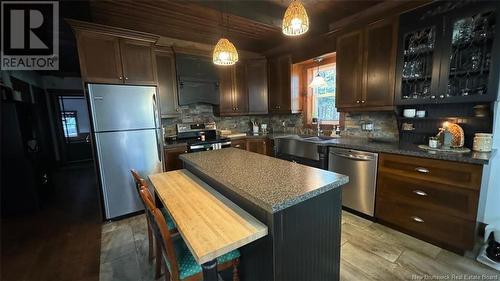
(78, 25)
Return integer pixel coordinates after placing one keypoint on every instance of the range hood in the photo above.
(197, 80)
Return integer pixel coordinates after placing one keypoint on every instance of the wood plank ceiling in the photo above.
(250, 25)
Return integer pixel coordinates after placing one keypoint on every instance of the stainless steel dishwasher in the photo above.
(361, 167)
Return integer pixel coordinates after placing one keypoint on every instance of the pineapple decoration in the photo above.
(457, 133)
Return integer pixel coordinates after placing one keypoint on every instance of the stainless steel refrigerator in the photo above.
(127, 136)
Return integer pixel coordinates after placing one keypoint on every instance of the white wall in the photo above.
(489, 200)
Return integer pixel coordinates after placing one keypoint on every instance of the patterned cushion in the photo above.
(187, 263)
(168, 218)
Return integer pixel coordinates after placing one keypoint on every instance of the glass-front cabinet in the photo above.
(448, 54)
(418, 60)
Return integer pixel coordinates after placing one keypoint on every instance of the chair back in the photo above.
(137, 178)
(161, 232)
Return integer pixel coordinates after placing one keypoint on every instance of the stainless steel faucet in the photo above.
(318, 126)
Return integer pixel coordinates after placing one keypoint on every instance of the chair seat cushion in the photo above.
(188, 265)
(168, 218)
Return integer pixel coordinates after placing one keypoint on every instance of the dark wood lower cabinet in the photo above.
(258, 145)
(261, 145)
(433, 200)
(239, 143)
(171, 157)
(446, 231)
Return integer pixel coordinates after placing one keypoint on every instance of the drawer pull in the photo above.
(237, 145)
(422, 170)
(420, 192)
(417, 219)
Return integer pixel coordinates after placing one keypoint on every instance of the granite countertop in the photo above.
(271, 183)
(261, 135)
(367, 144)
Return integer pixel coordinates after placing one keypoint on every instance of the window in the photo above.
(70, 124)
(322, 99)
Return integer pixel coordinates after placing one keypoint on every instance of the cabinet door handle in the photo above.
(121, 78)
(358, 101)
(177, 109)
(363, 101)
(126, 78)
(237, 145)
(422, 170)
(417, 219)
(420, 192)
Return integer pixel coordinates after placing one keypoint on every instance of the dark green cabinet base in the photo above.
(303, 241)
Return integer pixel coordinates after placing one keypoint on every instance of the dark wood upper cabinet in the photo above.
(446, 53)
(243, 88)
(240, 89)
(226, 87)
(281, 98)
(99, 56)
(349, 70)
(379, 63)
(138, 62)
(366, 67)
(167, 88)
(114, 55)
(256, 76)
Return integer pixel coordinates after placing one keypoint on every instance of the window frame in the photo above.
(63, 120)
(312, 99)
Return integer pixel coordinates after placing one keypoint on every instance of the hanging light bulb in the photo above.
(295, 21)
(224, 52)
(318, 80)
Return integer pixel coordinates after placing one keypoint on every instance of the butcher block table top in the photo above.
(210, 224)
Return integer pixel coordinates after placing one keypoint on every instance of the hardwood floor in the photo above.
(370, 251)
(60, 242)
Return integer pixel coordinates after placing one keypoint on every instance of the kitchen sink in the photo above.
(299, 146)
(318, 139)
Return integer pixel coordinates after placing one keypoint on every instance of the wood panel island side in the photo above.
(300, 205)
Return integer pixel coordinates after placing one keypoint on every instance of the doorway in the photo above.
(72, 126)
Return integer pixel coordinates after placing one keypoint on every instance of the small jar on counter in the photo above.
(482, 142)
(433, 142)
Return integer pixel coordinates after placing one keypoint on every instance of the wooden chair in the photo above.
(139, 181)
(178, 262)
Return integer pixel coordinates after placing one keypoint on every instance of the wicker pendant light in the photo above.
(295, 21)
(224, 52)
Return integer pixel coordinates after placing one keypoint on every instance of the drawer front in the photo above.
(241, 144)
(445, 172)
(446, 199)
(433, 226)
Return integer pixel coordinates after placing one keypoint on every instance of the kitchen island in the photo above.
(300, 205)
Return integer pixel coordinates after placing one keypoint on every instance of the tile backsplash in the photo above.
(384, 125)
(204, 113)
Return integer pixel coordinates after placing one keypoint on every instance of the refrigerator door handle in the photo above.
(158, 143)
